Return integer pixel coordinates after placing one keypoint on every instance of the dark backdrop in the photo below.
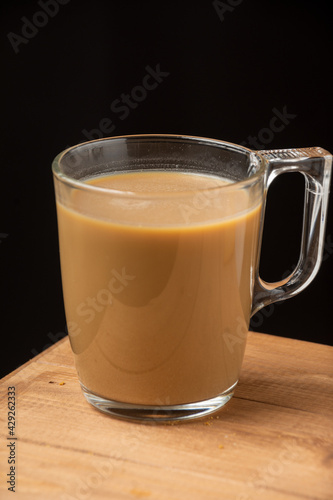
(223, 70)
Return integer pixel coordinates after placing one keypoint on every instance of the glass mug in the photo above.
(160, 240)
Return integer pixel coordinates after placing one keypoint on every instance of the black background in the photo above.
(225, 73)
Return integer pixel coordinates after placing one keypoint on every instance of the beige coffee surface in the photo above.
(158, 313)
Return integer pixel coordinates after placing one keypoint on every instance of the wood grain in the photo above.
(273, 440)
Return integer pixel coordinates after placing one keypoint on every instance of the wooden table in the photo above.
(272, 441)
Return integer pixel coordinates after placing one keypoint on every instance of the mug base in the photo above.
(159, 413)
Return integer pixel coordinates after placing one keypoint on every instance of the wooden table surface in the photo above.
(272, 441)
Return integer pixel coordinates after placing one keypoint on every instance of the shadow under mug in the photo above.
(160, 240)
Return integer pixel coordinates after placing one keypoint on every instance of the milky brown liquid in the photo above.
(158, 293)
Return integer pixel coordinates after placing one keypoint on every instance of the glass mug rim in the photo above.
(81, 184)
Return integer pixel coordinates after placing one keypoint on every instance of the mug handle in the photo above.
(315, 164)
